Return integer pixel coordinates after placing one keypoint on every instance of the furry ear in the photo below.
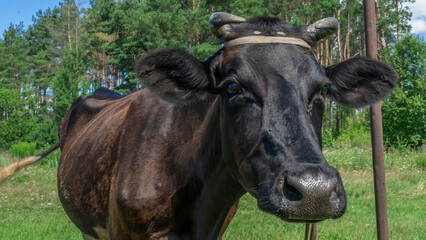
(174, 74)
(360, 81)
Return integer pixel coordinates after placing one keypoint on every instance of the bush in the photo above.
(355, 135)
(16, 127)
(404, 112)
(327, 139)
(44, 132)
(23, 149)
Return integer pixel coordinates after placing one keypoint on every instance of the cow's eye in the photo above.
(233, 88)
(324, 90)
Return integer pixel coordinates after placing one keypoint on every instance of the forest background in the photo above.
(70, 50)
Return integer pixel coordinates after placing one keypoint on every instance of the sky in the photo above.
(418, 21)
(17, 11)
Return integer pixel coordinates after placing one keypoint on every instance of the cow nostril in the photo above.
(291, 193)
(334, 199)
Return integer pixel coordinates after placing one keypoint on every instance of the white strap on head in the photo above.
(266, 39)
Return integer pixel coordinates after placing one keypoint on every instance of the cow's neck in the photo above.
(219, 190)
(218, 195)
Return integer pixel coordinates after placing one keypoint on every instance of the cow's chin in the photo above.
(301, 221)
(284, 212)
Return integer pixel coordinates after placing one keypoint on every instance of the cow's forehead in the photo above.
(264, 62)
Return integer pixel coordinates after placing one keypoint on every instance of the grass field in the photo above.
(30, 208)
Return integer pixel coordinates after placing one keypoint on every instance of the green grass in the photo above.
(355, 159)
(6, 159)
(23, 149)
(30, 208)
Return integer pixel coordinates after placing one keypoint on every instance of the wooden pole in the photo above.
(307, 230)
(314, 231)
(376, 130)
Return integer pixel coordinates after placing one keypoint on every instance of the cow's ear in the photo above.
(360, 81)
(174, 74)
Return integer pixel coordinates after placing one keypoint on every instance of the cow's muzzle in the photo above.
(314, 195)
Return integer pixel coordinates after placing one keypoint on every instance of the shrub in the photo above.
(404, 112)
(23, 149)
(327, 139)
(44, 132)
(355, 135)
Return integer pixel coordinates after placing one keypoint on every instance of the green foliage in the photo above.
(23, 149)
(327, 139)
(65, 85)
(205, 50)
(15, 124)
(13, 64)
(404, 122)
(392, 20)
(25, 70)
(249, 8)
(44, 132)
(354, 130)
(356, 135)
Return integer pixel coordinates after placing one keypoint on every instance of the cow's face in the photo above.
(272, 103)
(271, 116)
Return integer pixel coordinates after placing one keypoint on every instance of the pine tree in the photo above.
(13, 65)
(68, 32)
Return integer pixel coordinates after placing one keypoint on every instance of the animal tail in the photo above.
(10, 170)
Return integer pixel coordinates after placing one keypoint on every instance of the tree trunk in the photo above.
(196, 35)
(398, 28)
(330, 122)
(326, 63)
(337, 118)
(115, 81)
(318, 52)
(347, 46)
(103, 77)
(382, 31)
(339, 42)
(69, 25)
(330, 58)
(76, 36)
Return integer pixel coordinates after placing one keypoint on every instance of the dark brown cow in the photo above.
(169, 161)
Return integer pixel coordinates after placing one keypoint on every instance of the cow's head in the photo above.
(272, 92)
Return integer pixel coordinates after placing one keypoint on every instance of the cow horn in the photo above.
(219, 23)
(322, 28)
